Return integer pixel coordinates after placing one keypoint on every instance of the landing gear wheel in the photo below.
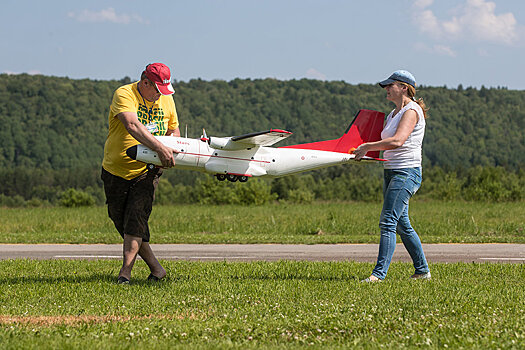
(221, 177)
(243, 178)
(232, 178)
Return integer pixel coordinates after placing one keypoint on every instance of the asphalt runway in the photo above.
(449, 253)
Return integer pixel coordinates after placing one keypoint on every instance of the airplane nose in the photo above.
(132, 152)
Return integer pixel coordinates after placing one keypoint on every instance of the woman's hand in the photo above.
(360, 151)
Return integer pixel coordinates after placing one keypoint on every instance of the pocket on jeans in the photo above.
(415, 182)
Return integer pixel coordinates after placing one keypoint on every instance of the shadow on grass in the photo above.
(112, 278)
(95, 277)
(268, 278)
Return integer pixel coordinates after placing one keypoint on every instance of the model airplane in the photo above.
(241, 157)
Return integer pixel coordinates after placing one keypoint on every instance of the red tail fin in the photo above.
(366, 127)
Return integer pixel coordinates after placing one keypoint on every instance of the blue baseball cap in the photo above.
(399, 75)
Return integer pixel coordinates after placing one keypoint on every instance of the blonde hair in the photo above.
(411, 93)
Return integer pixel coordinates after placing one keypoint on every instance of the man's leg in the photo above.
(131, 248)
(147, 255)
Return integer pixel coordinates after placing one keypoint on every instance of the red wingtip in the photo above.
(281, 131)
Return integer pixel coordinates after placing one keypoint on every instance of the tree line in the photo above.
(54, 131)
(340, 183)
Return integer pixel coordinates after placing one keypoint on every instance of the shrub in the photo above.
(45, 192)
(255, 191)
(167, 193)
(284, 186)
(76, 198)
(36, 202)
(11, 202)
(210, 191)
(493, 184)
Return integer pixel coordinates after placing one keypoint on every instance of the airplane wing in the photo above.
(262, 138)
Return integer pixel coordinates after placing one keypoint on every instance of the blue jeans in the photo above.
(399, 185)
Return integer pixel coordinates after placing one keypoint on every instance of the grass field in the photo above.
(76, 304)
(436, 222)
(264, 305)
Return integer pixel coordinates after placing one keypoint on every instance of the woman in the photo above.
(401, 140)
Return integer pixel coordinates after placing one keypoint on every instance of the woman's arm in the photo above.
(404, 129)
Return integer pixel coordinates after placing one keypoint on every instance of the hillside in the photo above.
(54, 130)
(60, 123)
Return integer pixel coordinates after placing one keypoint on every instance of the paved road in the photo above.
(501, 253)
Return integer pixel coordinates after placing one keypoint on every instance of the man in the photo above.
(138, 112)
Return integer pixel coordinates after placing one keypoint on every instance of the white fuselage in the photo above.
(195, 154)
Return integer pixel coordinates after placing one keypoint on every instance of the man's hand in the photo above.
(166, 156)
(142, 135)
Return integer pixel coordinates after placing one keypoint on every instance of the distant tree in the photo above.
(54, 129)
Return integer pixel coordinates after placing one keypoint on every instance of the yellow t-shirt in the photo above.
(158, 117)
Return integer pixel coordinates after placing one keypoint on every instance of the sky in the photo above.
(442, 42)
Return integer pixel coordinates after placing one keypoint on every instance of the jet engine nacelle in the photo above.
(226, 143)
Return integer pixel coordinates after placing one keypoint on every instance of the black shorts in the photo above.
(130, 201)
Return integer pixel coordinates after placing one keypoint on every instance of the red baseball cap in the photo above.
(160, 74)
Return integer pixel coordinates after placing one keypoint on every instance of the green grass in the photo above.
(436, 222)
(76, 304)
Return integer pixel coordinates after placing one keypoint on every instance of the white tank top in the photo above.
(409, 154)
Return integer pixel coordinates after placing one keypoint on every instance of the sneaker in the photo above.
(368, 280)
(421, 276)
(153, 278)
(122, 280)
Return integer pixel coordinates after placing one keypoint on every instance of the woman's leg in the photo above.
(411, 239)
(397, 192)
(387, 241)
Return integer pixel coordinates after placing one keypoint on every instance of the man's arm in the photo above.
(142, 135)
(173, 132)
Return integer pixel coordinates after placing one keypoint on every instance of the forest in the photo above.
(54, 129)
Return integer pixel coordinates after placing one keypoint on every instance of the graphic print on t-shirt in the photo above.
(153, 118)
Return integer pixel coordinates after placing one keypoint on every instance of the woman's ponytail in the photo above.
(419, 101)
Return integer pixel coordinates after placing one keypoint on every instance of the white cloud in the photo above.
(423, 3)
(428, 23)
(107, 15)
(484, 24)
(441, 50)
(315, 74)
(475, 20)
(444, 50)
(483, 52)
